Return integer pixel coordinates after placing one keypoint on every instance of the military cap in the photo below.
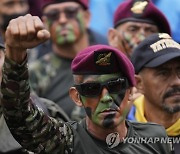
(83, 3)
(102, 59)
(141, 11)
(154, 51)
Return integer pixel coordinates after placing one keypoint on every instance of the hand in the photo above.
(22, 33)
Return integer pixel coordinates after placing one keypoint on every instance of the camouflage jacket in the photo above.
(27, 122)
(51, 77)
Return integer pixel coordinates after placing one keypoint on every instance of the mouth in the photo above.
(111, 110)
(64, 31)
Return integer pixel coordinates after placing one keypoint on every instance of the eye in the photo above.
(90, 86)
(71, 12)
(52, 15)
(133, 29)
(163, 73)
(151, 30)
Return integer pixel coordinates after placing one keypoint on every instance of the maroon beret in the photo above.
(103, 59)
(141, 11)
(83, 3)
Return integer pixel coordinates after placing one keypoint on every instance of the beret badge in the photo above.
(138, 7)
(103, 59)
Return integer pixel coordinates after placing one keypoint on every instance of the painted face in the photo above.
(108, 109)
(162, 86)
(65, 22)
(132, 33)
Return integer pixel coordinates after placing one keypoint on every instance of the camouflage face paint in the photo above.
(132, 40)
(69, 33)
(103, 109)
(69, 37)
(80, 21)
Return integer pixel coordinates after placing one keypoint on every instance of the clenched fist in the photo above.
(22, 33)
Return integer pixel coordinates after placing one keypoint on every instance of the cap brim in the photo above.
(163, 59)
(132, 19)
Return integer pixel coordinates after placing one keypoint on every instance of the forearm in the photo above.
(16, 54)
(28, 124)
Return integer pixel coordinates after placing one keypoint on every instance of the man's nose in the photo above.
(176, 79)
(105, 96)
(62, 17)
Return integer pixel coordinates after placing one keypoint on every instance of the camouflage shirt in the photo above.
(39, 133)
(27, 122)
(51, 77)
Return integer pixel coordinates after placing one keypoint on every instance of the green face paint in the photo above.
(80, 19)
(69, 37)
(69, 33)
(101, 111)
(133, 40)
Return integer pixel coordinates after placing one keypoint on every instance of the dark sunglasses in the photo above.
(70, 13)
(94, 89)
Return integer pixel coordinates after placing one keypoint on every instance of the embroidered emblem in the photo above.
(164, 35)
(104, 59)
(113, 140)
(164, 43)
(139, 7)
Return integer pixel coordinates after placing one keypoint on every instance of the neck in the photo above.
(71, 50)
(164, 118)
(101, 133)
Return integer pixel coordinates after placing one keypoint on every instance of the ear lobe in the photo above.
(112, 37)
(73, 93)
(139, 83)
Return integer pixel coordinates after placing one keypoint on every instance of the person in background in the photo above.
(51, 76)
(103, 80)
(93, 36)
(157, 66)
(134, 20)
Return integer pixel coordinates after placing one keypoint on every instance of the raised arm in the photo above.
(33, 129)
(23, 33)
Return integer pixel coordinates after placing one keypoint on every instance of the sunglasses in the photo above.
(94, 89)
(70, 13)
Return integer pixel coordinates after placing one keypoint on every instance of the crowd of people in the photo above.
(66, 88)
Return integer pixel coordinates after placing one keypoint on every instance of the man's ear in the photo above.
(112, 37)
(139, 83)
(74, 94)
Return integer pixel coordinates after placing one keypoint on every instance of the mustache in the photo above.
(171, 92)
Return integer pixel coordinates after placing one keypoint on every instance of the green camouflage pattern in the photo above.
(33, 129)
(42, 72)
(51, 77)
